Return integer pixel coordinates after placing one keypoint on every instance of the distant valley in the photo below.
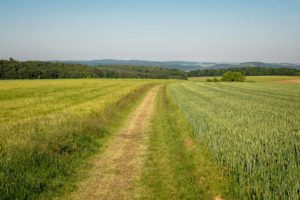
(182, 65)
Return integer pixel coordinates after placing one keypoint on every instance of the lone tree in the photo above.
(233, 76)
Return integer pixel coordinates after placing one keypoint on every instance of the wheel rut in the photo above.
(113, 172)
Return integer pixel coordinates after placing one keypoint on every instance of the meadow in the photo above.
(252, 129)
(49, 126)
(265, 79)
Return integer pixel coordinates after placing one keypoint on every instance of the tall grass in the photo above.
(48, 127)
(253, 129)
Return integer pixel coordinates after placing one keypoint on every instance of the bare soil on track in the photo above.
(113, 173)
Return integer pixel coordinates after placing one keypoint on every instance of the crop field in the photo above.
(250, 78)
(150, 139)
(48, 125)
(251, 129)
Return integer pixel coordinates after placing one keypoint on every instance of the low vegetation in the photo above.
(226, 140)
(264, 79)
(252, 130)
(48, 127)
(230, 77)
(176, 165)
(233, 77)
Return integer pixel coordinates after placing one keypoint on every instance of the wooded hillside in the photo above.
(12, 69)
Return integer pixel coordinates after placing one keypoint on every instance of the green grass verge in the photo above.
(176, 166)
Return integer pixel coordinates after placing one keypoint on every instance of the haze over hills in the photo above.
(182, 65)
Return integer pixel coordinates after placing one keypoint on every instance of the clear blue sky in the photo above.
(196, 30)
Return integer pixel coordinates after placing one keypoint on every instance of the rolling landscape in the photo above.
(181, 65)
(154, 127)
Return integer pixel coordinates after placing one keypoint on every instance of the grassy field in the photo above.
(48, 126)
(176, 166)
(271, 78)
(251, 129)
(206, 140)
(251, 78)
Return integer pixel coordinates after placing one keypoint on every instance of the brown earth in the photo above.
(114, 172)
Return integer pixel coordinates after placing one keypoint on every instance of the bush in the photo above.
(213, 80)
(233, 77)
(216, 80)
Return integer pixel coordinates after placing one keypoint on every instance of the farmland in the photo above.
(252, 129)
(205, 140)
(48, 126)
(150, 100)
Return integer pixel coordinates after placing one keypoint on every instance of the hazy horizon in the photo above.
(201, 31)
(149, 60)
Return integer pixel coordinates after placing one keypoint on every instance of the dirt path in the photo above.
(113, 173)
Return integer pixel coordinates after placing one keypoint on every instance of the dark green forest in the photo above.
(12, 69)
(248, 71)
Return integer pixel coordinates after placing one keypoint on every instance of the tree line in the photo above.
(248, 71)
(12, 69)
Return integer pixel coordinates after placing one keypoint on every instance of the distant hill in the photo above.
(181, 65)
(13, 69)
(272, 65)
(247, 70)
(253, 64)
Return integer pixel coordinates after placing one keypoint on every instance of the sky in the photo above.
(188, 30)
